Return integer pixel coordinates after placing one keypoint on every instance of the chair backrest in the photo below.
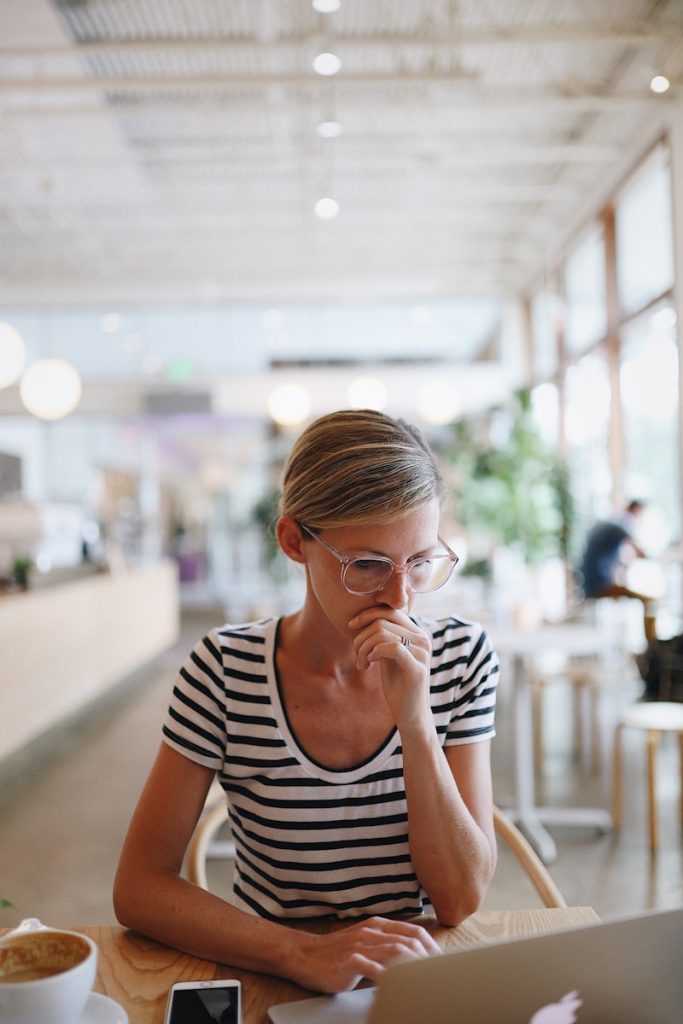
(532, 864)
(216, 815)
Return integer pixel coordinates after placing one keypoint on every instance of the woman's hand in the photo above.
(403, 651)
(338, 961)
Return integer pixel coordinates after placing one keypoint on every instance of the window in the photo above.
(644, 235)
(546, 308)
(585, 293)
(586, 424)
(649, 393)
(545, 408)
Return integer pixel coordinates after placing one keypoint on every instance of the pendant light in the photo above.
(50, 389)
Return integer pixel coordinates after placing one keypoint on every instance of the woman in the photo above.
(352, 739)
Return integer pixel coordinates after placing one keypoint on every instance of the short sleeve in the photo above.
(465, 675)
(195, 720)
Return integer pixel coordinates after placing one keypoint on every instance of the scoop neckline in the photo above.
(356, 772)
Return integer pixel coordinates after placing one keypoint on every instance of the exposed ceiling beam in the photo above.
(576, 94)
(190, 104)
(109, 203)
(452, 231)
(427, 140)
(45, 291)
(619, 34)
(390, 160)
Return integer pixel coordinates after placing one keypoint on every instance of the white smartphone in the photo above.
(204, 1002)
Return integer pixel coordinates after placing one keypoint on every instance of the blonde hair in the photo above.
(358, 466)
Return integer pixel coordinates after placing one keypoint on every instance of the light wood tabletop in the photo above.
(138, 972)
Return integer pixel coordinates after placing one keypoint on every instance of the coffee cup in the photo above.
(46, 974)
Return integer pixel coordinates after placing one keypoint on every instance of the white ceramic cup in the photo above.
(59, 997)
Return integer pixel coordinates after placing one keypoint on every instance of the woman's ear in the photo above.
(290, 538)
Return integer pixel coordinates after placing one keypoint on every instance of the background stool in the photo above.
(582, 676)
(653, 718)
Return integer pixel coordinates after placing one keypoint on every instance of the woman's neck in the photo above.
(312, 642)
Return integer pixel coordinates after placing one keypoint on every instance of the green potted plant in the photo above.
(21, 569)
(510, 488)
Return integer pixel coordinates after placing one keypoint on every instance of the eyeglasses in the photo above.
(368, 574)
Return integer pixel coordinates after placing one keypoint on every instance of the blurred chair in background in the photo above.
(582, 676)
(206, 845)
(654, 718)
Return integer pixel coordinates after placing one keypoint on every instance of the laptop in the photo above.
(624, 971)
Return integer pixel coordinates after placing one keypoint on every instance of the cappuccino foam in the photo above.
(39, 955)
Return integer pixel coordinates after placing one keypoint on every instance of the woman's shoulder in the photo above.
(451, 626)
(257, 631)
(242, 640)
(240, 633)
(457, 640)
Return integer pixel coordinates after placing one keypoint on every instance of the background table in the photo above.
(521, 644)
(138, 972)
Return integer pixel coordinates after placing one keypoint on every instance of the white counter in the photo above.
(63, 646)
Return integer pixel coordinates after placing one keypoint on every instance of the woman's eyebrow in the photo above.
(374, 553)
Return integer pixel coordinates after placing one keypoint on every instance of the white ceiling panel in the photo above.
(168, 150)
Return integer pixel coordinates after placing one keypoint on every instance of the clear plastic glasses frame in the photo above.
(378, 569)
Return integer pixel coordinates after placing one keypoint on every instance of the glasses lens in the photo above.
(429, 574)
(366, 575)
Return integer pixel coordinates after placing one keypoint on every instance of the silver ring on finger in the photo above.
(405, 641)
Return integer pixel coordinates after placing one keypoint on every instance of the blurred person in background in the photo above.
(610, 546)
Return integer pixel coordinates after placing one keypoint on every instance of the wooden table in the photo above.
(137, 972)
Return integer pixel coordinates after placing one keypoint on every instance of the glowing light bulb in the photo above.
(438, 403)
(329, 129)
(289, 404)
(327, 64)
(660, 83)
(326, 208)
(50, 389)
(367, 393)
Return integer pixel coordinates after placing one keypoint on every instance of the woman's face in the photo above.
(401, 540)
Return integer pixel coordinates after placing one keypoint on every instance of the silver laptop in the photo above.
(624, 971)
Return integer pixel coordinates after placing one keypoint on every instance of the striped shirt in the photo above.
(313, 841)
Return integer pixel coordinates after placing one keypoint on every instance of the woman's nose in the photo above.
(396, 592)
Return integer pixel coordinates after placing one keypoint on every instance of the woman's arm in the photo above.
(449, 792)
(450, 822)
(151, 896)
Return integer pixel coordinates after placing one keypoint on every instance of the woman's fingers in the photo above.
(372, 642)
(385, 643)
(339, 960)
(384, 932)
(412, 931)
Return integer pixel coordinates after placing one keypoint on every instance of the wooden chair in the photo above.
(529, 860)
(654, 718)
(203, 845)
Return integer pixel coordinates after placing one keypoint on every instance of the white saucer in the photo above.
(103, 1010)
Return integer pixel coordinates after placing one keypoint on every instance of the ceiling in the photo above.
(160, 156)
(167, 150)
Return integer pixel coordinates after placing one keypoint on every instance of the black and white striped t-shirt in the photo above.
(314, 841)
